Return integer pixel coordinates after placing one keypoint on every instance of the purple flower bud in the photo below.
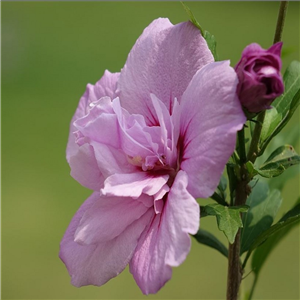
(260, 81)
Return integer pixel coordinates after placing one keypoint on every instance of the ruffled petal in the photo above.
(211, 116)
(163, 61)
(111, 161)
(134, 139)
(100, 124)
(96, 139)
(98, 223)
(134, 184)
(165, 243)
(84, 168)
(96, 264)
(170, 127)
(106, 86)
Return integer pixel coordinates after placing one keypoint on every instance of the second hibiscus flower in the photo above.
(148, 141)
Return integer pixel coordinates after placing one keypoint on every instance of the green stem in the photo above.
(254, 146)
(280, 21)
(234, 274)
(235, 271)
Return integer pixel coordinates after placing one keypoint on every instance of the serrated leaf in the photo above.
(210, 39)
(280, 160)
(286, 104)
(228, 218)
(206, 238)
(261, 253)
(264, 206)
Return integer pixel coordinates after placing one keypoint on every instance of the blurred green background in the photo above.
(50, 51)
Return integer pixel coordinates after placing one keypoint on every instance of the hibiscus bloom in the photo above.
(148, 141)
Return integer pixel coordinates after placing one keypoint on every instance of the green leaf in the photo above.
(272, 119)
(222, 186)
(203, 213)
(252, 171)
(285, 105)
(220, 193)
(261, 253)
(264, 206)
(291, 80)
(210, 39)
(208, 239)
(293, 212)
(291, 137)
(294, 105)
(212, 44)
(252, 124)
(281, 159)
(192, 17)
(218, 198)
(274, 230)
(228, 218)
(274, 172)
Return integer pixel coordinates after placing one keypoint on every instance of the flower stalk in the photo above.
(235, 269)
(254, 149)
(280, 21)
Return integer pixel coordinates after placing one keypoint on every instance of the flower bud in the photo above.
(260, 81)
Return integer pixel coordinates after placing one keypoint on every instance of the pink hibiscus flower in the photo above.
(148, 141)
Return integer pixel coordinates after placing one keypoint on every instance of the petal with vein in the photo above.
(165, 243)
(162, 62)
(212, 116)
(96, 264)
